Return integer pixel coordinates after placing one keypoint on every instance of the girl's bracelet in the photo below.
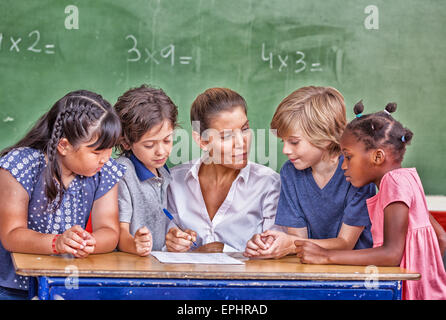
(53, 244)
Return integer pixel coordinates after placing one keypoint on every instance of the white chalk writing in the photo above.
(153, 56)
(32, 43)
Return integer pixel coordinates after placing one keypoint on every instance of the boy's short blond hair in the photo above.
(319, 112)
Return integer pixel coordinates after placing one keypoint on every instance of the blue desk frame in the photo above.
(49, 288)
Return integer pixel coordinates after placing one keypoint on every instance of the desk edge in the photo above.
(219, 275)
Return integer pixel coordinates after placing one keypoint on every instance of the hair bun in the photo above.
(407, 135)
(359, 107)
(391, 107)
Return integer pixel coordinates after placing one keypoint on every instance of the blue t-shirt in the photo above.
(27, 165)
(323, 211)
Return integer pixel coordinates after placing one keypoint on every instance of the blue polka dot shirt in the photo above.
(27, 166)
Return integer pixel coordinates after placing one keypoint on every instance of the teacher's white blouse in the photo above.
(249, 208)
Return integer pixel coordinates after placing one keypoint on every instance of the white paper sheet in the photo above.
(201, 258)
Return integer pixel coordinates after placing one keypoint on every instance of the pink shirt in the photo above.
(422, 252)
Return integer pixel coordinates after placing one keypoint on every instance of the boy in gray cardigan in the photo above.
(148, 118)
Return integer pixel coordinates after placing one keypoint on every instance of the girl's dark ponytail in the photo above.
(407, 136)
(390, 107)
(358, 109)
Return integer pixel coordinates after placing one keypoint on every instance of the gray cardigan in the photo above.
(141, 202)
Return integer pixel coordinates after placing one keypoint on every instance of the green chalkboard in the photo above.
(378, 51)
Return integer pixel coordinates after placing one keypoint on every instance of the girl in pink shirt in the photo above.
(404, 233)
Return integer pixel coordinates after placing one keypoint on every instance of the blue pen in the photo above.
(169, 215)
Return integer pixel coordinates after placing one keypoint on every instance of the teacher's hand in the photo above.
(179, 241)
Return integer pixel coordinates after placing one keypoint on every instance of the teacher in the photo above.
(221, 199)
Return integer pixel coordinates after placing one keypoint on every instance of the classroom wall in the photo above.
(378, 51)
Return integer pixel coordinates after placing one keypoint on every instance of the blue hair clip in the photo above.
(359, 115)
(403, 138)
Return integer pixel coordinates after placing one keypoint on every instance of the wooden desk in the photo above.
(120, 275)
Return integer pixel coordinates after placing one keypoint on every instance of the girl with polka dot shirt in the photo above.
(51, 180)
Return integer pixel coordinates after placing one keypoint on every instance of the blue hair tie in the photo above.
(359, 115)
(403, 138)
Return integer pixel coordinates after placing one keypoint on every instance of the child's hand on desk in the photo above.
(277, 244)
(143, 241)
(89, 246)
(257, 243)
(311, 253)
(76, 241)
(179, 241)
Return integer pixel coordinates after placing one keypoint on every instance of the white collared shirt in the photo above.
(249, 208)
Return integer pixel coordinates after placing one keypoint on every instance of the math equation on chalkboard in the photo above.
(299, 61)
(31, 43)
(167, 54)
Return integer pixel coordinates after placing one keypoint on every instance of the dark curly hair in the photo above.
(380, 129)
